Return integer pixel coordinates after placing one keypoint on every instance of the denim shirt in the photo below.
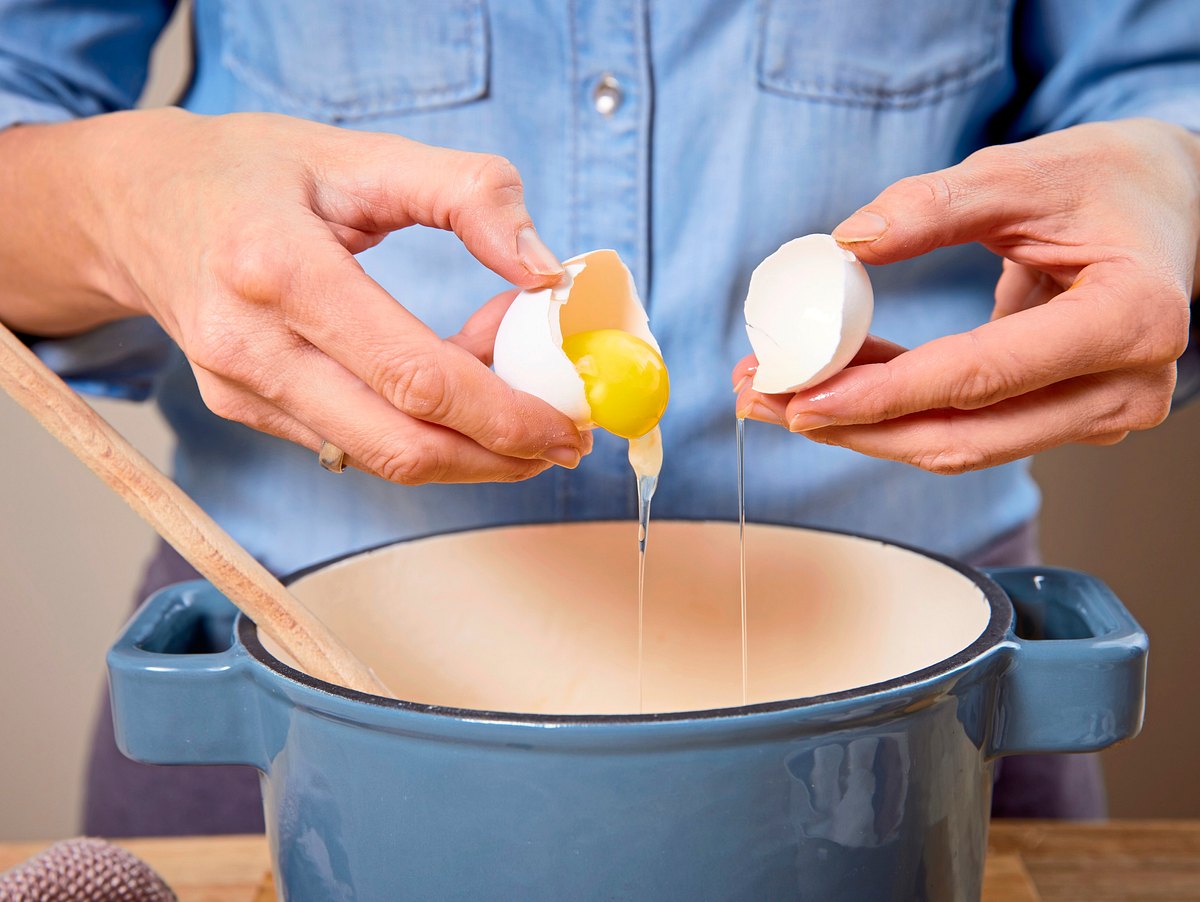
(693, 137)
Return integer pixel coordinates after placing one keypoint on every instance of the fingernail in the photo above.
(803, 422)
(743, 383)
(536, 257)
(862, 226)
(586, 441)
(564, 456)
(759, 411)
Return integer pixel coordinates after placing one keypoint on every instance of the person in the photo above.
(1023, 177)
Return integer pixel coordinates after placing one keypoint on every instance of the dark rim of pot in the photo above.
(999, 621)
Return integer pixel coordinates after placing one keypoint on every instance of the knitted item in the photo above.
(84, 870)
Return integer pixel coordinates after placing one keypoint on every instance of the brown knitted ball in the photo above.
(84, 870)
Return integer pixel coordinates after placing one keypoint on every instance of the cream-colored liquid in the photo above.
(741, 496)
(645, 456)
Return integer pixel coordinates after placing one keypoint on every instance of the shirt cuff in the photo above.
(123, 359)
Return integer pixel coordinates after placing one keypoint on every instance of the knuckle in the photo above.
(504, 436)
(1176, 322)
(933, 189)
(1152, 408)
(252, 265)
(952, 461)
(879, 400)
(990, 154)
(417, 385)
(274, 387)
(1107, 438)
(212, 340)
(947, 453)
(996, 158)
(1143, 407)
(484, 182)
(304, 302)
(495, 180)
(979, 385)
(225, 402)
(413, 465)
(239, 348)
(981, 381)
(1160, 334)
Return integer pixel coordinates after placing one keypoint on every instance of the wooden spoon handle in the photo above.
(179, 520)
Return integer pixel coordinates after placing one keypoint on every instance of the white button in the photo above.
(607, 95)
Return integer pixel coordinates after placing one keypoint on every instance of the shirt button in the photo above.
(607, 95)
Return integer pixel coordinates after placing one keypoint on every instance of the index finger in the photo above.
(338, 308)
(381, 182)
(772, 408)
(1088, 329)
(874, 350)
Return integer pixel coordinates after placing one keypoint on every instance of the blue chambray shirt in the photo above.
(729, 127)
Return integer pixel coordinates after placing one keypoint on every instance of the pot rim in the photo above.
(1000, 619)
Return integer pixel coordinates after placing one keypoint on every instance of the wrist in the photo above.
(63, 259)
(118, 197)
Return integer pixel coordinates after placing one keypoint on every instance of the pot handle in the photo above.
(1076, 674)
(183, 691)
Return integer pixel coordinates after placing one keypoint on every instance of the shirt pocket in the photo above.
(339, 61)
(879, 53)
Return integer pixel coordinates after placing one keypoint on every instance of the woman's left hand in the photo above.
(1099, 228)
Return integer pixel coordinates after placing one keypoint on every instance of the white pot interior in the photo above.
(544, 619)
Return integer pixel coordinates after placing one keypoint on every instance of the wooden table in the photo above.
(1028, 861)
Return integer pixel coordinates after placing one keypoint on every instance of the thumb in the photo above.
(980, 199)
(391, 183)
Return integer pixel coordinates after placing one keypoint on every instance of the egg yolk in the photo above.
(624, 380)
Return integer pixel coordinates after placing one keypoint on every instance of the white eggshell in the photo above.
(596, 293)
(808, 311)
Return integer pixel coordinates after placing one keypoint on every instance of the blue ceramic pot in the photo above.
(879, 792)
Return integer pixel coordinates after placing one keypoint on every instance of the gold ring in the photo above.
(332, 457)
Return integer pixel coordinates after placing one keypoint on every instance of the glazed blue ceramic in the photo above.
(878, 793)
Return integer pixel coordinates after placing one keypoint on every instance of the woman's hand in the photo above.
(1099, 227)
(237, 233)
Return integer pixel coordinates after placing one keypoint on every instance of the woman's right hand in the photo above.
(237, 233)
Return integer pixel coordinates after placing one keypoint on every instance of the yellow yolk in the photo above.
(624, 380)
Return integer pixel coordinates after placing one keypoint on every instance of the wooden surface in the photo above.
(1028, 861)
(178, 519)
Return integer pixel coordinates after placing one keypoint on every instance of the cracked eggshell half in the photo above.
(597, 292)
(808, 311)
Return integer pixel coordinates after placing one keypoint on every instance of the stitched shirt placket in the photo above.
(611, 100)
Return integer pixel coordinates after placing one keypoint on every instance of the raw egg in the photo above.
(584, 347)
(808, 311)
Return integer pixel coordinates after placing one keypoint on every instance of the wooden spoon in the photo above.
(179, 520)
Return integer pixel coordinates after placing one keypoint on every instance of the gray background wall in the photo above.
(71, 554)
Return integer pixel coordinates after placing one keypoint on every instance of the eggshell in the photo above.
(597, 292)
(808, 311)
